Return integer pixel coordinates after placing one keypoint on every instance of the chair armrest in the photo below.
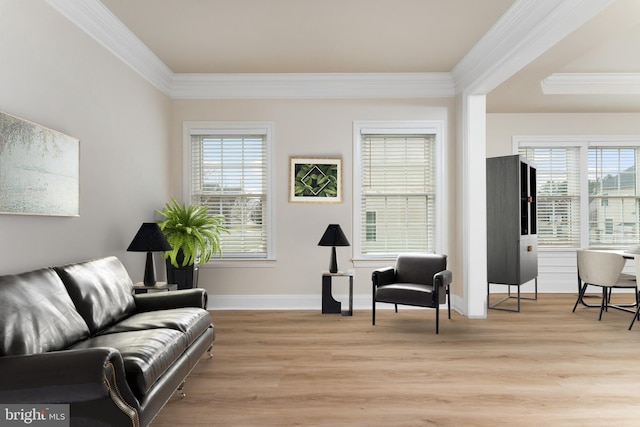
(65, 377)
(442, 278)
(173, 299)
(383, 276)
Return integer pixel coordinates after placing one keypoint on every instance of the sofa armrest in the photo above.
(173, 299)
(383, 276)
(66, 377)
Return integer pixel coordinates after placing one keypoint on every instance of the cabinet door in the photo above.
(527, 185)
(528, 258)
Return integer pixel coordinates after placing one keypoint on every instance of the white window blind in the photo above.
(229, 176)
(614, 208)
(558, 194)
(397, 209)
(588, 189)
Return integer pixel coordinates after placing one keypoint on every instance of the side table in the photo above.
(140, 288)
(329, 304)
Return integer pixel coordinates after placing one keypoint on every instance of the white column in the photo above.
(472, 240)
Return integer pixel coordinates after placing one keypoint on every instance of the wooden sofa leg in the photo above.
(181, 391)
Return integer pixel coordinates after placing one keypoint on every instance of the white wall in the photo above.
(557, 269)
(316, 128)
(131, 159)
(53, 74)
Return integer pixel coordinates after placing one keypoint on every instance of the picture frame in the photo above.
(315, 180)
(39, 169)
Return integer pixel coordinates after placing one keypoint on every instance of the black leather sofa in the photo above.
(77, 335)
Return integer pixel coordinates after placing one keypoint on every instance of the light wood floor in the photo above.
(544, 366)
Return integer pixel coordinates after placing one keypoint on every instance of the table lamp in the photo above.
(149, 239)
(333, 236)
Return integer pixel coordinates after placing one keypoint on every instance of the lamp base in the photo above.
(333, 266)
(149, 271)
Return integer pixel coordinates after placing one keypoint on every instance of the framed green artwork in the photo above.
(315, 180)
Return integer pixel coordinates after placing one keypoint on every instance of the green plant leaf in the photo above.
(193, 230)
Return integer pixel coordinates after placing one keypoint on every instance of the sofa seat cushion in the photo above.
(37, 314)
(146, 354)
(190, 321)
(101, 289)
(406, 293)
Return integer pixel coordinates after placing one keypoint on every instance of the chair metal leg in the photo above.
(373, 309)
(581, 292)
(635, 316)
(448, 301)
(396, 307)
(637, 313)
(604, 302)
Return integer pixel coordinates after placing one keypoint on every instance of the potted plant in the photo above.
(194, 236)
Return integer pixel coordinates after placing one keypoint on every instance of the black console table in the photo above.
(329, 304)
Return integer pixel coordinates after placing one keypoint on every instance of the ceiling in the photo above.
(385, 36)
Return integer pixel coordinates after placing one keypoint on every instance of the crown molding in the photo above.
(591, 84)
(311, 85)
(97, 21)
(525, 31)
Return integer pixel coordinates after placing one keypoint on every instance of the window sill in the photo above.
(240, 263)
(373, 262)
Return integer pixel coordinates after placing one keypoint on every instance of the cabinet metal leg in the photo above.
(509, 296)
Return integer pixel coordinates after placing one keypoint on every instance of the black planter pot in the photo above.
(184, 277)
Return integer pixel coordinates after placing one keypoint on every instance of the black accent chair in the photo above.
(420, 280)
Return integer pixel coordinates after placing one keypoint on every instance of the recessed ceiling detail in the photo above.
(502, 49)
(591, 84)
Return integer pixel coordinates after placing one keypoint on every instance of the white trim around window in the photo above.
(266, 129)
(419, 127)
(583, 142)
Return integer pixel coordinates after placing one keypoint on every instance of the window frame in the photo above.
(235, 128)
(397, 127)
(584, 142)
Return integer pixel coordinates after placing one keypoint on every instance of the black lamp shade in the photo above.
(149, 239)
(333, 236)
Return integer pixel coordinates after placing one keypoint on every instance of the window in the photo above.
(558, 194)
(396, 197)
(227, 170)
(587, 190)
(370, 226)
(613, 196)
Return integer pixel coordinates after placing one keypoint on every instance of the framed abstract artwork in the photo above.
(39, 169)
(315, 180)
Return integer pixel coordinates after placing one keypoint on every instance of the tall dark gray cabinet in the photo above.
(512, 241)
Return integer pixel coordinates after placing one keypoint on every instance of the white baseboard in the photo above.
(282, 302)
(296, 302)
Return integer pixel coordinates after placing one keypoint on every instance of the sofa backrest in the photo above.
(101, 289)
(37, 314)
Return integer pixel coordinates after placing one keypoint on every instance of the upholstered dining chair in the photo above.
(603, 269)
(420, 280)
